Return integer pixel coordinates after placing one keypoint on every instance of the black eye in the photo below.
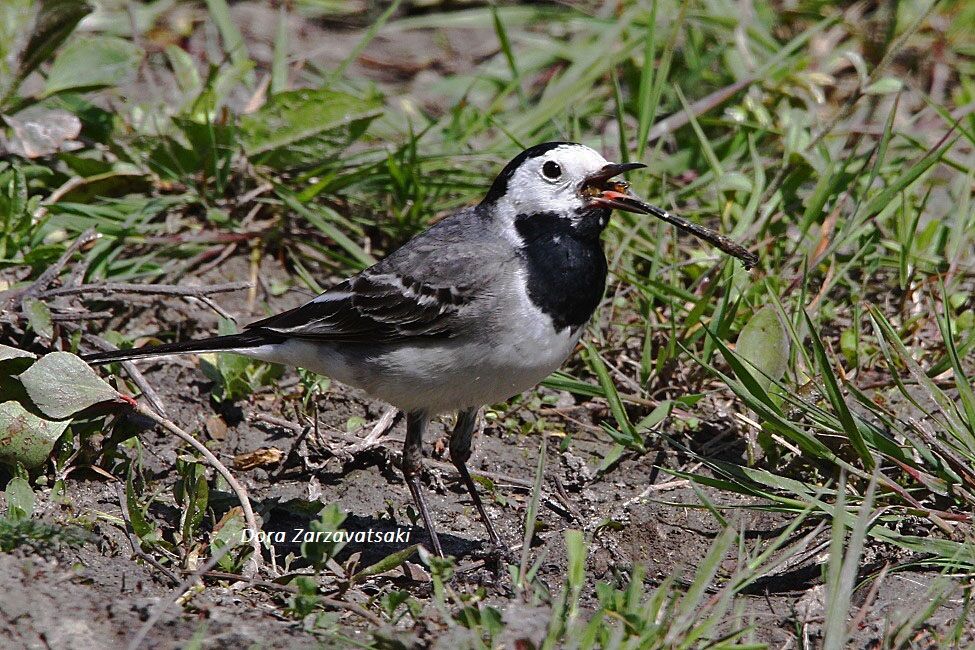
(551, 169)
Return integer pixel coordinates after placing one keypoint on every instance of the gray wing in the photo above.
(436, 285)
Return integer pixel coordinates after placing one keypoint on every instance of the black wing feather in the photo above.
(373, 307)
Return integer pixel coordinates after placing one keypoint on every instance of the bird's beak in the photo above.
(603, 191)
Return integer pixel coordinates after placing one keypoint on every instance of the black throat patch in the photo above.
(565, 263)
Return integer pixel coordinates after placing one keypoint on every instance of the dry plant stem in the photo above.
(355, 444)
(52, 272)
(868, 602)
(386, 422)
(75, 316)
(133, 540)
(145, 289)
(163, 605)
(134, 374)
(35, 288)
(203, 238)
(223, 313)
(291, 589)
(676, 120)
(255, 562)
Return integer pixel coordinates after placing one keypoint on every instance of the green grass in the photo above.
(811, 134)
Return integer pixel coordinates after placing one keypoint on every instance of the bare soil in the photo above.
(98, 595)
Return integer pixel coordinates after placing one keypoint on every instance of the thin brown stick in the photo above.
(35, 289)
(134, 374)
(75, 316)
(53, 271)
(861, 614)
(564, 497)
(207, 266)
(265, 584)
(681, 118)
(160, 609)
(239, 490)
(145, 289)
(202, 238)
(354, 442)
(134, 541)
(386, 422)
(223, 313)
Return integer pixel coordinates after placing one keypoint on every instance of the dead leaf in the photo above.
(258, 458)
(415, 572)
(216, 427)
(39, 132)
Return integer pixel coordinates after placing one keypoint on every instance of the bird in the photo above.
(481, 306)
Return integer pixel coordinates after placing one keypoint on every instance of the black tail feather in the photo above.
(247, 339)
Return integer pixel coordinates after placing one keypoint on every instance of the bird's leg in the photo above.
(460, 451)
(416, 422)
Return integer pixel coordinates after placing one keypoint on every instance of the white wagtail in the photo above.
(482, 306)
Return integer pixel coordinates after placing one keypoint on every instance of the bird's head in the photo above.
(568, 179)
(563, 184)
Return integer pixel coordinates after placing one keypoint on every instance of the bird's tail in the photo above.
(244, 340)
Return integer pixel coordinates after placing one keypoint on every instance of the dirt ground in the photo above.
(97, 595)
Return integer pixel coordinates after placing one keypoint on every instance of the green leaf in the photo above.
(323, 218)
(734, 181)
(576, 551)
(61, 384)
(184, 69)
(887, 334)
(279, 59)
(229, 531)
(39, 316)
(884, 86)
(747, 388)
(384, 565)
(192, 494)
(318, 552)
(910, 174)
(25, 438)
(92, 62)
(764, 343)
(20, 499)
(55, 22)
(612, 395)
(836, 398)
(303, 125)
(144, 529)
(7, 352)
(233, 40)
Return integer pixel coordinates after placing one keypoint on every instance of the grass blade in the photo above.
(836, 398)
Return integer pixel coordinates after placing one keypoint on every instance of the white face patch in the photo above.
(550, 182)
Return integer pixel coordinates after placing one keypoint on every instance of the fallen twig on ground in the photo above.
(134, 374)
(163, 605)
(36, 288)
(291, 589)
(134, 542)
(146, 289)
(239, 490)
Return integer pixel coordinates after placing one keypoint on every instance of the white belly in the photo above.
(438, 375)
